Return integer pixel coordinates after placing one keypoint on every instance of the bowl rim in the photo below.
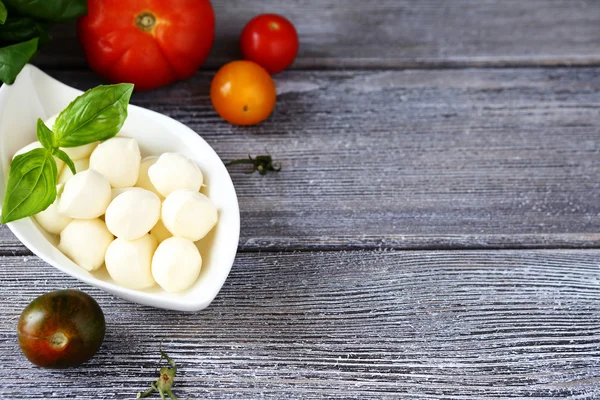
(172, 301)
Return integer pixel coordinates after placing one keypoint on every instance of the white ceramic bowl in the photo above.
(36, 95)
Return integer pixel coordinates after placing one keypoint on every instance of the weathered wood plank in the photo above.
(352, 325)
(409, 159)
(404, 33)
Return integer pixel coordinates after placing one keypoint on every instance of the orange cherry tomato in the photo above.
(243, 93)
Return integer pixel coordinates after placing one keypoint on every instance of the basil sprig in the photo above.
(24, 26)
(22, 29)
(31, 185)
(46, 138)
(61, 155)
(98, 114)
(45, 135)
(14, 57)
(3, 13)
(54, 10)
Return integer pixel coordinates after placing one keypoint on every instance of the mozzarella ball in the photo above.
(160, 232)
(37, 145)
(51, 220)
(74, 153)
(85, 242)
(80, 152)
(143, 179)
(129, 263)
(133, 213)
(86, 195)
(80, 166)
(176, 264)
(189, 214)
(117, 191)
(174, 171)
(118, 159)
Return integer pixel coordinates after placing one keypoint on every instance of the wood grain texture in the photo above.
(403, 33)
(490, 158)
(377, 157)
(352, 325)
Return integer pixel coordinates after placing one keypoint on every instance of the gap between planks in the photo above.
(375, 65)
(466, 243)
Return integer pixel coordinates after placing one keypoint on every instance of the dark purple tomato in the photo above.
(61, 329)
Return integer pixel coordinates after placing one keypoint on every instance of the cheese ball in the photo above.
(160, 232)
(37, 145)
(118, 159)
(80, 166)
(74, 153)
(51, 220)
(143, 179)
(176, 264)
(80, 152)
(117, 191)
(189, 214)
(133, 213)
(86, 195)
(129, 263)
(85, 242)
(174, 171)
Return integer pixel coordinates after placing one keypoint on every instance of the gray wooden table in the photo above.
(435, 233)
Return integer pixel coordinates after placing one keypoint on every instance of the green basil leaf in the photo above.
(3, 13)
(20, 29)
(13, 58)
(45, 135)
(98, 114)
(65, 157)
(49, 10)
(31, 185)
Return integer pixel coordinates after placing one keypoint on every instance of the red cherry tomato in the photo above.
(271, 41)
(150, 43)
(61, 329)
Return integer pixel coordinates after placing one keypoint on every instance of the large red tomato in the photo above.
(147, 42)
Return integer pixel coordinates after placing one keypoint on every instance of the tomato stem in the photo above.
(262, 164)
(59, 340)
(147, 392)
(165, 380)
(145, 21)
(171, 394)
